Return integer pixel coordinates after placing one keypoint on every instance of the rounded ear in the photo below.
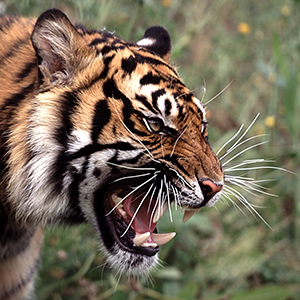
(157, 39)
(56, 42)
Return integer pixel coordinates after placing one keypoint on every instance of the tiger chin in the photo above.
(99, 130)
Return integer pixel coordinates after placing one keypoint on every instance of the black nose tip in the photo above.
(209, 188)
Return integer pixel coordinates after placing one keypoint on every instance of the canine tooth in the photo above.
(188, 214)
(163, 238)
(140, 238)
(159, 212)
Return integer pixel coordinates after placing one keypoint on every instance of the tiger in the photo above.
(97, 130)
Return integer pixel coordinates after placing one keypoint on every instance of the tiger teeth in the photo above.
(188, 214)
(159, 212)
(162, 238)
(140, 238)
(116, 199)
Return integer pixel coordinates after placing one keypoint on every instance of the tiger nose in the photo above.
(209, 188)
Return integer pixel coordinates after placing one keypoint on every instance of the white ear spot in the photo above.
(146, 42)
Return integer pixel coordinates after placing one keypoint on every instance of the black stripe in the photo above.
(155, 95)
(16, 98)
(90, 149)
(14, 50)
(168, 107)
(69, 102)
(11, 235)
(144, 100)
(129, 64)
(101, 118)
(25, 71)
(150, 79)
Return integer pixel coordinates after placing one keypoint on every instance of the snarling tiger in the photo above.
(94, 129)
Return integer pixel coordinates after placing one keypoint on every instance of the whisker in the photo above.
(168, 197)
(243, 151)
(247, 204)
(131, 168)
(216, 96)
(130, 193)
(262, 168)
(226, 195)
(149, 206)
(130, 177)
(248, 187)
(240, 144)
(157, 203)
(241, 137)
(182, 179)
(137, 210)
(230, 140)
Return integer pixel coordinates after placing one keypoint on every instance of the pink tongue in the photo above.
(141, 222)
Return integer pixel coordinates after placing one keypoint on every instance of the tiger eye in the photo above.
(155, 125)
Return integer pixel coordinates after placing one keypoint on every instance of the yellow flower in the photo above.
(270, 121)
(166, 3)
(244, 28)
(285, 11)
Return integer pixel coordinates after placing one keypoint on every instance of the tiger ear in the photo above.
(157, 39)
(56, 42)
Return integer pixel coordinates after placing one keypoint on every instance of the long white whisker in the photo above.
(131, 168)
(158, 200)
(130, 177)
(260, 167)
(168, 198)
(243, 134)
(248, 187)
(240, 144)
(213, 98)
(226, 194)
(182, 179)
(247, 162)
(231, 139)
(243, 151)
(247, 204)
(144, 183)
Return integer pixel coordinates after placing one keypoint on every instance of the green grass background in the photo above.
(220, 253)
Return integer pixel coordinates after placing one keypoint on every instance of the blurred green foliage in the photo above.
(220, 253)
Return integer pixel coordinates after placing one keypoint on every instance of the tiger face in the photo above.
(110, 135)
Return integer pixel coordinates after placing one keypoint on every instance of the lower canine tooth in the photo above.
(163, 238)
(140, 238)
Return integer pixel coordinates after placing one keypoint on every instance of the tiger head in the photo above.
(115, 139)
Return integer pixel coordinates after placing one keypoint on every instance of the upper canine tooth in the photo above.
(163, 238)
(159, 212)
(140, 238)
(188, 214)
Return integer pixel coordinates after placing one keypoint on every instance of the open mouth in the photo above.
(133, 215)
